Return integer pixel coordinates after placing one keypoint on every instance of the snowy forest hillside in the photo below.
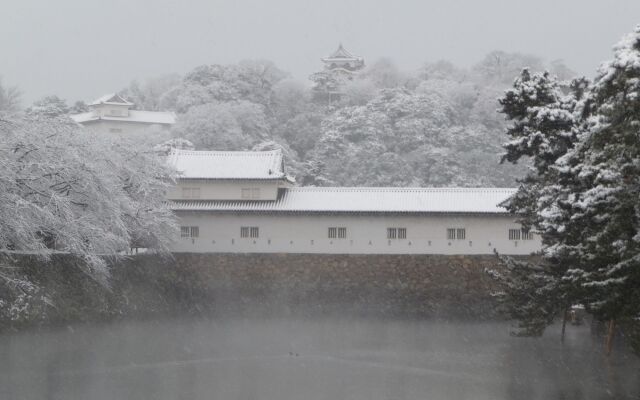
(438, 126)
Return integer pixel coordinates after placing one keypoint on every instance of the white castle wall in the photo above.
(111, 110)
(120, 127)
(225, 190)
(366, 234)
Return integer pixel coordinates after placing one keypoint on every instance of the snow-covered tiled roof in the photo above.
(341, 54)
(228, 164)
(367, 200)
(111, 98)
(148, 117)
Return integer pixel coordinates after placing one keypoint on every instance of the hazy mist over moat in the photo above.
(311, 358)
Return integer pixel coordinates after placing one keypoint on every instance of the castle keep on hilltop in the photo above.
(244, 202)
(339, 68)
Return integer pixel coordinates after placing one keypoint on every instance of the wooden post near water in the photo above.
(609, 339)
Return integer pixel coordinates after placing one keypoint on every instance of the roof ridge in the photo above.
(229, 152)
(105, 99)
(150, 111)
(397, 188)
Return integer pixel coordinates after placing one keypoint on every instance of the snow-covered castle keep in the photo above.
(243, 202)
(339, 68)
(113, 114)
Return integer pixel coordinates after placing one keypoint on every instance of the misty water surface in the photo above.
(278, 358)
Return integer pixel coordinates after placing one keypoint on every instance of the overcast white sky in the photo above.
(80, 49)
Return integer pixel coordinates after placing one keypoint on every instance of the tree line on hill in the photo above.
(434, 127)
(437, 126)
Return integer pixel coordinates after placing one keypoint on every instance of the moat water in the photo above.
(319, 358)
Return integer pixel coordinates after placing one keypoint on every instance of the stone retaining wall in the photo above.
(398, 284)
(280, 284)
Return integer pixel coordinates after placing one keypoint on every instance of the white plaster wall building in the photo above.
(112, 114)
(244, 202)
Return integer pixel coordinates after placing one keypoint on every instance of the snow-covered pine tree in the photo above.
(601, 177)
(583, 194)
(544, 128)
(529, 294)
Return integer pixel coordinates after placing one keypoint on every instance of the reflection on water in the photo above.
(310, 359)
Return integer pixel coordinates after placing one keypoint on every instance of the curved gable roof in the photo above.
(341, 54)
(111, 98)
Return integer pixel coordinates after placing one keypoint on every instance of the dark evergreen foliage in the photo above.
(583, 194)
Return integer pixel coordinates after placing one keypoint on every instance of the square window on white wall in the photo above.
(514, 234)
(255, 232)
(185, 231)
(451, 233)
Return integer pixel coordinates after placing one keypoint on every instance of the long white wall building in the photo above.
(243, 202)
